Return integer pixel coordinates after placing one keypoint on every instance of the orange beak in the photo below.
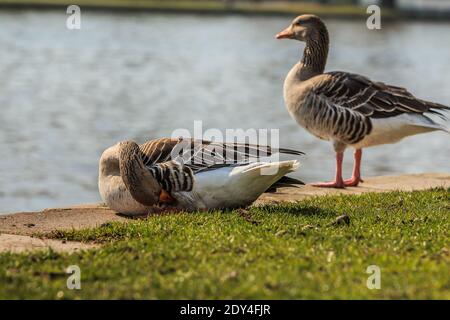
(285, 34)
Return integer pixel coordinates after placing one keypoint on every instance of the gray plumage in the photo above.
(196, 174)
(349, 109)
(173, 162)
(342, 106)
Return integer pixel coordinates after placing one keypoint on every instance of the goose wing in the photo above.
(173, 162)
(369, 98)
(200, 155)
(173, 176)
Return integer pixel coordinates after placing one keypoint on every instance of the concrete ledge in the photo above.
(85, 216)
(48, 220)
(407, 182)
(18, 244)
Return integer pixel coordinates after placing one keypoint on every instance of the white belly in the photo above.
(392, 130)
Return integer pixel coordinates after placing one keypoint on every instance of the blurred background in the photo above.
(140, 69)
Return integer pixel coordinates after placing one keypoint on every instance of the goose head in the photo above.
(304, 28)
(123, 161)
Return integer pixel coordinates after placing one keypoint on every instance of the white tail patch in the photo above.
(290, 165)
(231, 187)
(391, 130)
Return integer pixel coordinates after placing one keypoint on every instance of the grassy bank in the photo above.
(200, 6)
(284, 252)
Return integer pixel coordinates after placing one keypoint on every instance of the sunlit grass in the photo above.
(286, 251)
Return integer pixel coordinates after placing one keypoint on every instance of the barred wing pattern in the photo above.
(173, 176)
(372, 99)
(157, 150)
(346, 102)
(173, 162)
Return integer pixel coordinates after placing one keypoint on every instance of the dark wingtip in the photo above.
(440, 111)
(291, 151)
(289, 180)
(285, 182)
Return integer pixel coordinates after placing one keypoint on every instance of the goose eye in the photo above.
(298, 23)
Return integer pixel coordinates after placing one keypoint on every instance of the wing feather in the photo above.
(173, 162)
(371, 99)
(203, 154)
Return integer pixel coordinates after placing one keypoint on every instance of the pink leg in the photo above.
(356, 175)
(338, 181)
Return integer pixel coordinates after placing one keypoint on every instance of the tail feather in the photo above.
(290, 151)
(231, 187)
(286, 166)
(437, 109)
(434, 124)
(265, 176)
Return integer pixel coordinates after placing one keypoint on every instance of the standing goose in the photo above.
(187, 174)
(345, 108)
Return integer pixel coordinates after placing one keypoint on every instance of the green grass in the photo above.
(287, 251)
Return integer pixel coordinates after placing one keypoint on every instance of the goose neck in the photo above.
(314, 56)
(138, 180)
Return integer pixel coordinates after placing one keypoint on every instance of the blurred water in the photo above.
(67, 95)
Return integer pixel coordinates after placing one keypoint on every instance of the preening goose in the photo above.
(349, 109)
(187, 174)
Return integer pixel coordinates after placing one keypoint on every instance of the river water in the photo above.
(66, 95)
